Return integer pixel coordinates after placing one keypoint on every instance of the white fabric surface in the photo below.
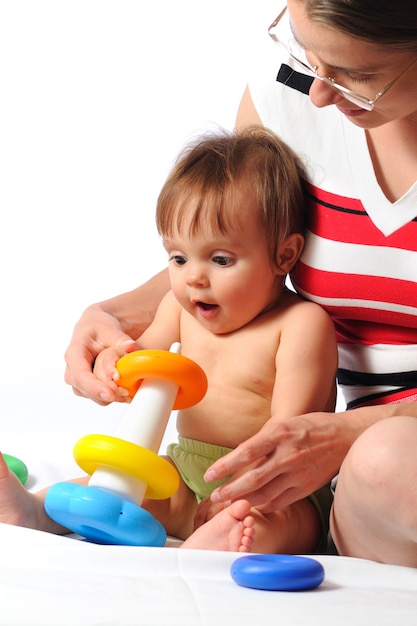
(54, 580)
(49, 580)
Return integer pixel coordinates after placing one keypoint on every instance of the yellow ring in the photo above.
(161, 477)
(189, 376)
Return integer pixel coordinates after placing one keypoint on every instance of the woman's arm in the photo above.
(247, 115)
(117, 321)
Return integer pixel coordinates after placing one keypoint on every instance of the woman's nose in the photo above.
(323, 95)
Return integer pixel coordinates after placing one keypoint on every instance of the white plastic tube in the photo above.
(144, 423)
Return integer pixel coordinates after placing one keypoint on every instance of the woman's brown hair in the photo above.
(383, 22)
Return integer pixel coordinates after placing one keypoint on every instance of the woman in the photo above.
(342, 92)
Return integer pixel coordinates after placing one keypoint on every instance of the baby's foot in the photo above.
(230, 530)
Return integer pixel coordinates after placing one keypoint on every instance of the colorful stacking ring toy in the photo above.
(17, 467)
(160, 475)
(103, 517)
(160, 364)
(127, 468)
(277, 572)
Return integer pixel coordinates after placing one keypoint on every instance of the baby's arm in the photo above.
(106, 371)
(306, 364)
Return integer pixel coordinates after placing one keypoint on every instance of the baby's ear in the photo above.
(289, 252)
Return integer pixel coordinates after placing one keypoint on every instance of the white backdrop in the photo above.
(97, 97)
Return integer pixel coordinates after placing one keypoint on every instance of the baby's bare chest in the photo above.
(236, 362)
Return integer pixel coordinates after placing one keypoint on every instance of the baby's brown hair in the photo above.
(211, 167)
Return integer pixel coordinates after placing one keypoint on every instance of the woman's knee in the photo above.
(381, 455)
(375, 507)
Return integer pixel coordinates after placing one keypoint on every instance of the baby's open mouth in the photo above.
(205, 306)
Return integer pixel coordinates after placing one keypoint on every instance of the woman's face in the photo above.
(358, 65)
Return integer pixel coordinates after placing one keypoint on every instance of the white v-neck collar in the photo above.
(387, 216)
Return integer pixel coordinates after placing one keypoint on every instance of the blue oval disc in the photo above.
(277, 572)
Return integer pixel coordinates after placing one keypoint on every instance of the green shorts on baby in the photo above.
(192, 458)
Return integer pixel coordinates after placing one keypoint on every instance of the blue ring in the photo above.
(102, 517)
(277, 572)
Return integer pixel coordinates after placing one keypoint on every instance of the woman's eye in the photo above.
(222, 260)
(359, 78)
(178, 260)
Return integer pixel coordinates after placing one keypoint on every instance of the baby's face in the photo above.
(223, 278)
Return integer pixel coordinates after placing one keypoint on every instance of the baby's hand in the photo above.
(105, 370)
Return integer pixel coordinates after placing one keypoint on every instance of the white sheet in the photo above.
(49, 580)
(53, 580)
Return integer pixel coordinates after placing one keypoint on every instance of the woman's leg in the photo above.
(374, 513)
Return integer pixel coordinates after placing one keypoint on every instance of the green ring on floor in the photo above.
(17, 467)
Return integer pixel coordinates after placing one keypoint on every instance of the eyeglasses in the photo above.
(286, 39)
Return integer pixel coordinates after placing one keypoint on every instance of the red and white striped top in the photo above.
(368, 284)
(360, 258)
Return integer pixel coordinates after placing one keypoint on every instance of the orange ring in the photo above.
(160, 476)
(190, 378)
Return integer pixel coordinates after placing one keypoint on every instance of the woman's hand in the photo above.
(114, 322)
(285, 461)
(95, 330)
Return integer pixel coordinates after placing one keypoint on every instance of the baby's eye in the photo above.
(178, 259)
(222, 260)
